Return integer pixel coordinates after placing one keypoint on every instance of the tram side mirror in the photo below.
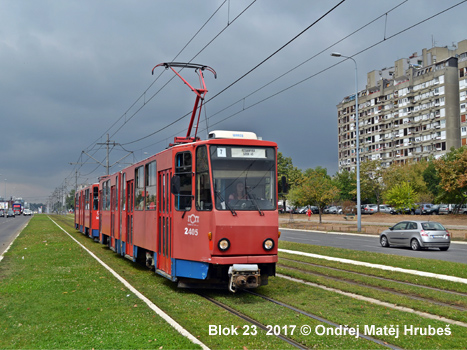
(175, 184)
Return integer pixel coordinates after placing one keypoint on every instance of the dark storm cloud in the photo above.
(71, 69)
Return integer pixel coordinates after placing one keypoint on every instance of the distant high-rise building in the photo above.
(409, 112)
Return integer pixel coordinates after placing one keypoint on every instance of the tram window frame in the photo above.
(95, 198)
(123, 188)
(86, 199)
(139, 188)
(203, 197)
(184, 171)
(106, 195)
(151, 185)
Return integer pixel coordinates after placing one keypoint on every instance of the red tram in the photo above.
(87, 210)
(202, 213)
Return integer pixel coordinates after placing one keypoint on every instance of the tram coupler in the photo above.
(244, 276)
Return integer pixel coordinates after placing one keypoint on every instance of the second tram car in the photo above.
(87, 210)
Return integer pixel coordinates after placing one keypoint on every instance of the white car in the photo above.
(27, 212)
(383, 208)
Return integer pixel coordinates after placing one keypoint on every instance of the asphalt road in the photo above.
(9, 229)
(457, 252)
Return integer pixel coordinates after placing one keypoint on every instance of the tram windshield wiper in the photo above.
(222, 200)
(251, 197)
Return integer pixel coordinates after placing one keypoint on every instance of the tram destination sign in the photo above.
(248, 153)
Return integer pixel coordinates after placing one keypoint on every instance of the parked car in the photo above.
(434, 210)
(443, 209)
(416, 235)
(463, 209)
(423, 209)
(369, 209)
(383, 208)
(333, 210)
(405, 211)
(10, 213)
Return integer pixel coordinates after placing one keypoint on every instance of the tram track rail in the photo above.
(381, 289)
(249, 319)
(290, 341)
(374, 277)
(320, 319)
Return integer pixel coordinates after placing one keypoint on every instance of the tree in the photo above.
(401, 196)
(452, 170)
(70, 200)
(286, 168)
(411, 173)
(371, 180)
(432, 179)
(316, 188)
(346, 182)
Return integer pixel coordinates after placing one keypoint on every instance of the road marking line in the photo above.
(378, 266)
(148, 302)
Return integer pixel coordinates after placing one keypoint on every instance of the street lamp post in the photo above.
(359, 208)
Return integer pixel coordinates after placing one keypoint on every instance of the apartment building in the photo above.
(409, 112)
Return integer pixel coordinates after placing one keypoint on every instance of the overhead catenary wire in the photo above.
(143, 94)
(338, 63)
(93, 144)
(210, 42)
(246, 74)
(313, 75)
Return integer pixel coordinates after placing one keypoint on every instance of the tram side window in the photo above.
(139, 188)
(123, 191)
(203, 183)
(106, 195)
(183, 169)
(151, 188)
(86, 199)
(95, 198)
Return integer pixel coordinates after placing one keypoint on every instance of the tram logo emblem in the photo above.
(193, 220)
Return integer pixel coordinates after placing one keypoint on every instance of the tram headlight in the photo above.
(223, 244)
(268, 244)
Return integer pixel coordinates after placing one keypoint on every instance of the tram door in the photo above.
(129, 217)
(113, 195)
(164, 229)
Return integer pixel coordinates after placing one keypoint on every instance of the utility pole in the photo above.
(107, 166)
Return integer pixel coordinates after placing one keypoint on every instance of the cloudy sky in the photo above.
(74, 71)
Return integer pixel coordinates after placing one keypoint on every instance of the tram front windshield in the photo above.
(244, 177)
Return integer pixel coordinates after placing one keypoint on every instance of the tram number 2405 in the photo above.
(191, 231)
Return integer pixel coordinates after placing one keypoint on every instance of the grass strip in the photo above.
(428, 265)
(190, 310)
(390, 286)
(197, 314)
(345, 310)
(54, 295)
(387, 296)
